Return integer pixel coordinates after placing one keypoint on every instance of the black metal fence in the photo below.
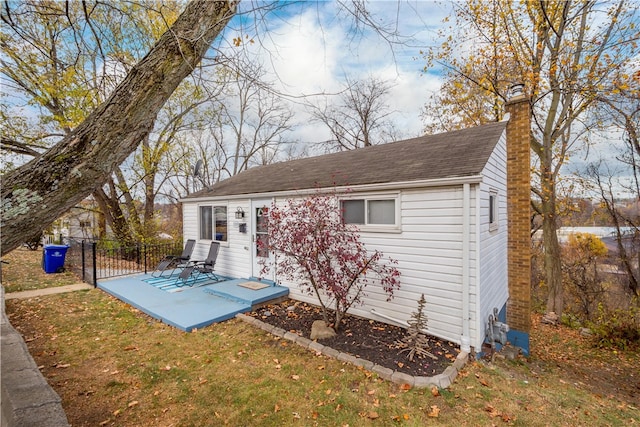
(94, 260)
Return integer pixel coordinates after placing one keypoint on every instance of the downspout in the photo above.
(465, 339)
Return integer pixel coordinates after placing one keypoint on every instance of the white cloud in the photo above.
(314, 48)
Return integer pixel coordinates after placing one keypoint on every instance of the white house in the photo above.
(437, 204)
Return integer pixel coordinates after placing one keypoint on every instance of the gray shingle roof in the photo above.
(447, 155)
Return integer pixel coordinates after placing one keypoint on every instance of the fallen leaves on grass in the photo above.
(434, 411)
(495, 413)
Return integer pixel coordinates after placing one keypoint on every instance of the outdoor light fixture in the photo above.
(239, 213)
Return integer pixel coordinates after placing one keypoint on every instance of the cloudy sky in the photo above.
(312, 46)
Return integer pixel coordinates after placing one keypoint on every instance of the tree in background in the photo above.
(359, 118)
(620, 110)
(566, 53)
(316, 249)
(252, 118)
(69, 79)
(37, 193)
(244, 126)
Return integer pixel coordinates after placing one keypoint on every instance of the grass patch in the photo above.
(130, 369)
(113, 365)
(24, 272)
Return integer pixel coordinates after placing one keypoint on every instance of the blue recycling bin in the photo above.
(53, 258)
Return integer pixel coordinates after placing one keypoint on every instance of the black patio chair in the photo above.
(173, 262)
(194, 269)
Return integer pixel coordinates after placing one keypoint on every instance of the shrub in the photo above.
(617, 328)
(584, 285)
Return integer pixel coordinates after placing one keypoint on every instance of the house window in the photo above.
(220, 223)
(493, 210)
(213, 223)
(353, 211)
(206, 222)
(370, 211)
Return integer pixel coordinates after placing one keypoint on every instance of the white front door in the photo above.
(259, 253)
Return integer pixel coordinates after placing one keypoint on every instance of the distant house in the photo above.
(437, 204)
(80, 222)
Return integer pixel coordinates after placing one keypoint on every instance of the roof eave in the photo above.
(384, 186)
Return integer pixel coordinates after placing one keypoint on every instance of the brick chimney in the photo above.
(518, 213)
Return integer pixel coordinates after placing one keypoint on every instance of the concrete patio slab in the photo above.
(189, 308)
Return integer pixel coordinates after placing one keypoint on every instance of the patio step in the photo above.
(231, 291)
(228, 296)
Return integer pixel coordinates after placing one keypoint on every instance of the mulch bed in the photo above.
(367, 339)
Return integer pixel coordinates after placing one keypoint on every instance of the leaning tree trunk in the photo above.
(552, 256)
(37, 193)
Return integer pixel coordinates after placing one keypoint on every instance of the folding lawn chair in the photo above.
(172, 262)
(192, 272)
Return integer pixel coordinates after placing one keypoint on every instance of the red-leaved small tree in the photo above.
(314, 247)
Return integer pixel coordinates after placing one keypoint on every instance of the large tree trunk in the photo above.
(112, 211)
(34, 195)
(552, 256)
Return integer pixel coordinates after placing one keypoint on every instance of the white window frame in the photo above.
(382, 228)
(213, 207)
(494, 208)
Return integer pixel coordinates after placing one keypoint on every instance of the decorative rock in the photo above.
(291, 308)
(550, 318)
(320, 330)
(586, 332)
(266, 313)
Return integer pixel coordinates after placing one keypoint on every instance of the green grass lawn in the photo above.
(24, 272)
(113, 365)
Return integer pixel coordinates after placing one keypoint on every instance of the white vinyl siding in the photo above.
(427, 241)
(428, 250)
(234, 257)
(493, 265)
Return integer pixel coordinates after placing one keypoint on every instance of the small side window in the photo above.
(493, 210)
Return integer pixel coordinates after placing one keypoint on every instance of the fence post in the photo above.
(144, 252)
(84, 265)
(95, 269)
